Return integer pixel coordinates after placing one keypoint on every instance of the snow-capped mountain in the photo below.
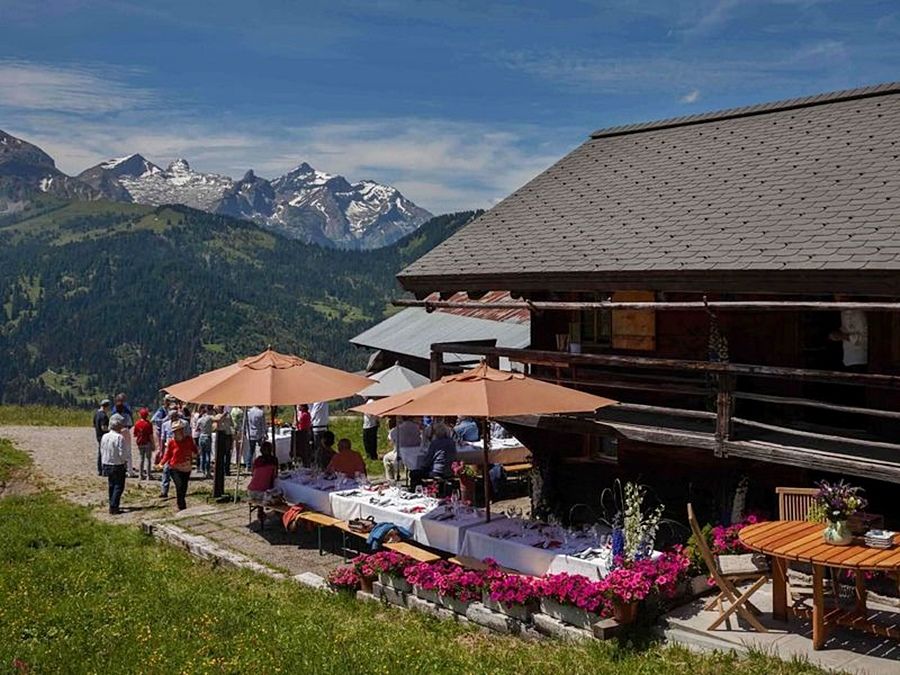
(146, 183)
(303, 203)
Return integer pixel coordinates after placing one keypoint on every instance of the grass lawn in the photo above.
(45, 416)
(78, 595)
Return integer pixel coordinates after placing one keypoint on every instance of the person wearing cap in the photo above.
(178, 457)
(143, 438)
(114, 461)
(165, 436)
(101, 426)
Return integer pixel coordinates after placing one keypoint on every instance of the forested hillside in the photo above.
(98, 297)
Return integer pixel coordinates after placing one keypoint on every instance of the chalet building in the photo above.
(732, 278)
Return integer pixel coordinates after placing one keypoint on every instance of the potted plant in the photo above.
(343, 580)
(465, 474)
(390, 568)
(626, 586)
(571, 598)
(425, 577)
(514, 595)
(364, 570)
(457, 587)
(839, 501)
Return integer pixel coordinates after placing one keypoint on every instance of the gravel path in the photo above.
(66, 457)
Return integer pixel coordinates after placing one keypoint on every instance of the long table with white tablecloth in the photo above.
(537, 549)
(503, 451)
(430, 524)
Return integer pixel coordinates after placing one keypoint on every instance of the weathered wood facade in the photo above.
(781, 207)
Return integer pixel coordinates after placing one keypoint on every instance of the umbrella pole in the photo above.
(273, 431)
(486, 445)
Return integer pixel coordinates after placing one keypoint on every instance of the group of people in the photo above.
(426, 446)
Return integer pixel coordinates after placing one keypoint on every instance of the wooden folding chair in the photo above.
(726, 581)
(794, 504)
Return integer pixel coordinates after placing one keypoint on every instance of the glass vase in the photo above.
(837, 532)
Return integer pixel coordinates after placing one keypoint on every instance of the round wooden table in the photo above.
(801, 541)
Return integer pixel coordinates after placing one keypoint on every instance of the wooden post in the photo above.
(486, 445)
(436, 365)
(493, 361)
(724, 412)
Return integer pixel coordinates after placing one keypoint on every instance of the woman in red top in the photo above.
(265, 468)
(302, 448)
(143, 439)
(179, 455)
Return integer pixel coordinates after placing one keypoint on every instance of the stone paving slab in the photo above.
(846, 650)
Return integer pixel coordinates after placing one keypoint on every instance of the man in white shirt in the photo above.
(114, 461)
(854, 338)
(318, 412)
(370, 434)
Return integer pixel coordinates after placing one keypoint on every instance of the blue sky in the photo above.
(456, 103)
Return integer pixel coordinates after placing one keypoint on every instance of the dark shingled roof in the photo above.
(810, 184)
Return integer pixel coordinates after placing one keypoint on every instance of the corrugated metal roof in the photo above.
(810, 184)
(414, 330)
(513, 315)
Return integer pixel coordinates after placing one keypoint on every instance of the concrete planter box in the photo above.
(519, 612)
(574, 616)
(397, 583)
(452, 603)
(430, 596)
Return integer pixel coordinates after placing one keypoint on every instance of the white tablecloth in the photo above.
(316, 494)
(282, 446)
(519, 552)
(503, 451)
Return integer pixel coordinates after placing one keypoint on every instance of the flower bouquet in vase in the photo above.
(838, 501)
(465, 474)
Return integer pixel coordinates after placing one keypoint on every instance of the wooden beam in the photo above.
(786, 400)
(689, 305)
(778, 372)
(822, 437)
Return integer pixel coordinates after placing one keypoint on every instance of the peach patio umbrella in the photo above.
(486, 392)
(269, 379)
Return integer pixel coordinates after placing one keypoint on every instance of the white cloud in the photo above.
(70, 89)
(691, 96)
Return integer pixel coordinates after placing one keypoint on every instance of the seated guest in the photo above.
(466, 430)
(325, 451)
(408, 440)
(430, 429)
(346, 460)
(265, 468)
(441, 453)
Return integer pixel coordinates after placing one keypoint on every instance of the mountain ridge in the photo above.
(304, 203)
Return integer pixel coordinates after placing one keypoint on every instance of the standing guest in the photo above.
(168, 434)
(101, 426)
(160, 416)
(143, 438)
(256, 433)
(409, 447)
(325, 451)
(195, 430)
(319, 414)
(178, 456)
(121, 408)
(237, 423)
(205, 427)
(370, 434)
(304, 435)
(114, 457)
(346, 460)
(225, 431)
(390, 459)
(466, 430)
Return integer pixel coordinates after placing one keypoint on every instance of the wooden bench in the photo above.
(412, 551)
(320, 520)
(266, 508)
(517, 468)
(476, 564)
